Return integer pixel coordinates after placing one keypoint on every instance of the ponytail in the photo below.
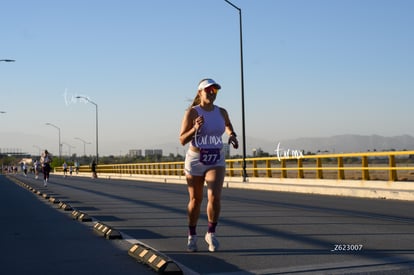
(196, 101)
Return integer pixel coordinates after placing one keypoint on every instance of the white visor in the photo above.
(207, 83)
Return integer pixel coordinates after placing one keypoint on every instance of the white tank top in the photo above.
(210, 134)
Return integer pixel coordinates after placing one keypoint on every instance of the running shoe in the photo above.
(192, 243)
(212, 242)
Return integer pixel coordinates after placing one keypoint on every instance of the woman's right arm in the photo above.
(188, 128)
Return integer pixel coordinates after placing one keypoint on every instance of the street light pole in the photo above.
(38, 148)
(96, 123)
(60, 144)
(69, 147)
(84, 145)
(242, 90)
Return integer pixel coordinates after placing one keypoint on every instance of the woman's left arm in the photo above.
(229, 129)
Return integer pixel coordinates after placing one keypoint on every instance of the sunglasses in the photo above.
(211, 89)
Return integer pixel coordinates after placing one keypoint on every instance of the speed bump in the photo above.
(159, 262)
(84, 218)
(65, 206)
(77, 215)
(106, 231)
(54, 200)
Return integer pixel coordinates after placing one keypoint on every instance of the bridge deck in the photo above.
(260, 232)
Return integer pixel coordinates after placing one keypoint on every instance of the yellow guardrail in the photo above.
(391, 166)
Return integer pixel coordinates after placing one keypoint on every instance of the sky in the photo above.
(312, 68)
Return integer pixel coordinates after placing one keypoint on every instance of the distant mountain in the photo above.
(334, 144)
(351, 143)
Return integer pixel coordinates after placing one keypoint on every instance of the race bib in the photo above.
(209, 156)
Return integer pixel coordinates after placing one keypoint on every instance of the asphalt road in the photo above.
(38, 239)
(260, 232)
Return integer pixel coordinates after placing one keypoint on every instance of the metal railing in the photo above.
(390, 166)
